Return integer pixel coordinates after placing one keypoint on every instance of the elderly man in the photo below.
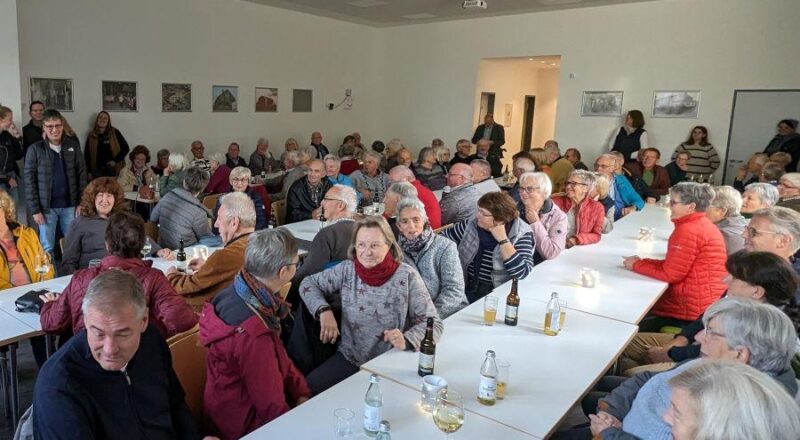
(115, 378)
(305, 195)
(232, 158)
(396, 192)
(492, 132)
(236, 220)
(293, 164)
(198, 156)
(775, 230)
(626, 200)
(522, 164)
(317, 150)
(370, 181)
(180, 214)
(404, 157)
(333, 168)
(483, 151)
(463, 150)
(560, 167)
(402, 173)
(461, 202)
(262, 161)
(482, 176)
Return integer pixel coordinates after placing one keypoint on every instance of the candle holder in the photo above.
(589, 277)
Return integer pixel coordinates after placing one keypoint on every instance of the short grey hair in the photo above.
(552, 147)
(608, 156)
(218, 158)
(440, 151)
(483, 164)
(196, 180)
(332, 157)
(525, 163)
(113, 289)
(701, 194)
(425, 153)
(375, 155)
(240, 172)
(586, 177)
(240, 205)
(293, 156)
(766, 331)
(403, 189)
(766, 192)
(348, 196)
(177, 161)
(727, 198)
(793, 178)
(262, 141)
(268, 251)
(402, 171)
(541, 180)
(412, 203)
(784, 221)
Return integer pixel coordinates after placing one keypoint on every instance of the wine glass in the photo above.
(448, 414)
(42, 265)
(147, 247)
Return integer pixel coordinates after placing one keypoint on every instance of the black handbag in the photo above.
(30, 302)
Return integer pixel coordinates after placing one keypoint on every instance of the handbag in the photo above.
(30, 302)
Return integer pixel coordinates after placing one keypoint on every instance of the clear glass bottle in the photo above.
(487, 390)
(373, 402)
(552, 315)
(383, 431)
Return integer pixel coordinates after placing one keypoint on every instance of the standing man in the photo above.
(484, 151)
(305, 195)
(198, 158)
(463, 150)
(32, 132)
(55, 176)
(317, 150)
(560, 167)
(232, 158)
(495, 134)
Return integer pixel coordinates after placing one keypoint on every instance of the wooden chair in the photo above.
(210, 201)
(443, 228)
(151, 230)
(189, 362)
(61, 242)
(279, 209)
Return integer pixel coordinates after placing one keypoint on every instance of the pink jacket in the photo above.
(550, 233)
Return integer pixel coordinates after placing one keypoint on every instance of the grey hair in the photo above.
(587, 177)
(542, 181)
(784, 221)
(793, 178)
(268, 251)
(218, 158)
(440, 151)
(240, 205)
(734, 401)
(727, 198)
(403, 171)
(195, 180)
(111, 290)
(552, 147)
(239, 172)
(412, 203)
(262, 141)
(403, 189)
(525, 163)
(177, 161)
(293, 156)
(701, 194)
(766, 192)
(373, 154)
(483, 164)
(332, 157)
(348, 196)
(425, 153)
(767, 332)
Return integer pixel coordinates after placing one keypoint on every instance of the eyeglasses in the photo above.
(753, 232)
(673, 202)
(331, 199)
(241, 180)
(571, 183)
(528, 189)
(53, 127)
(713, 333)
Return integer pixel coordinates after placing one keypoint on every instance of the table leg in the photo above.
(5, 381)
(12, 357)
(50, 344)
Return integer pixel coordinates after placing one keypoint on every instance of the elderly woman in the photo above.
(20, 246)
(434, 257)
(494, 246)
(602, 187)
(442, 156)
(678, 168)
(124, 237)
(240, 182)
(384, 304)
(173, 175)
(789, 191)
(547, 221)
(758, 196)
(370, 181)
(724, 212)
(771, 172)
(349, 163)
(138, 174)
(585, 216)
(396, 192)
(290, 145)
(428, 170)
(220, 175)
(180, 215)
(539, 157)
(162, 162)
(695, 262)
(752, 168)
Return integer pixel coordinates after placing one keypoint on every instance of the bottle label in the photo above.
(511, 312)
(181, 265)
(554, 321)
(488, 388)
(426, 362)
(372, 417)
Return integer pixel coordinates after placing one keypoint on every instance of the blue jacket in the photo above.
(341, 179)
(625, 195)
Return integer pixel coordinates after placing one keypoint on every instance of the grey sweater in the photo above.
(180, 215)
(402, 302)
(440, 268)
(459, 204)
(85, 242)
(732, 229)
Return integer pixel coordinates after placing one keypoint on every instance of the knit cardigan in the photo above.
(439, 267)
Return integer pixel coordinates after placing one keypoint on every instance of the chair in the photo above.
(443, 228)
(61, 242)
(279, 210)
(189, 362)
(210, 201)
(151, 230)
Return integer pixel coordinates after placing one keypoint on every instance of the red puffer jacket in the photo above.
(694, 268)
(169, 312)
(590, 217)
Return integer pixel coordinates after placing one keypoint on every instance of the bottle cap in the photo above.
(490, 353)
(385, 426)
(374, 378)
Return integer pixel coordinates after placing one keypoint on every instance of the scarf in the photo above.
(270, 307)
(379, 274)
(413, 246)
(486, 242)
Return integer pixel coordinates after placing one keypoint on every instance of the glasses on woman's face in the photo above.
(240, 180)
(573, 183)
(528, 189)
(52, 127)
(372, 247)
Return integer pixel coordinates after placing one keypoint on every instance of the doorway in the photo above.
(527, 122)
(487, 105)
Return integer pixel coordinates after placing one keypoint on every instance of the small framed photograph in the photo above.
(266, 99)
(55, 93)
(602, 103)
(176, 97)
(224, 98)
(302, 100)
(676, 104)
(120, 96)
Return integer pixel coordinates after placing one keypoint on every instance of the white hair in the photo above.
(332, 157)
(766, 192)
(348, 196)
(782, 221)
(541, 180)
(177, 161)
(412, 203)
(727, 198)
(239, 205)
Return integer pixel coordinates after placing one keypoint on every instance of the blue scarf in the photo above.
(270, 307)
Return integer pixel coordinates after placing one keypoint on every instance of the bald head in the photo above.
(316, 171)
(401, 173)
(483, 147)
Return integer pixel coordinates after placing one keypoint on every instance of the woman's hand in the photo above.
(628, 262)
(499, 231)
(741, 173)
(196, 263)
(395, 337)
(329, 331)
(651, 200)
(657, 355)
(165, 254)
(572, 241)
(603, 421)
(48, 297)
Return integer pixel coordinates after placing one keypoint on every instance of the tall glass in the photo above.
(343, 417)
(503, 370)
(147, 247)
(42, 264)
(489, 310)
(448, 415)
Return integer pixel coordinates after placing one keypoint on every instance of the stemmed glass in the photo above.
(147, 247)
(448, 414)
(42, 265)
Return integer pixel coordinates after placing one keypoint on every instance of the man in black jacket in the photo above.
(493, 132)
(32, 132)
(305, 195)
(232, 157)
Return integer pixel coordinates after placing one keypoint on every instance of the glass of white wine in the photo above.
(42, 265)
(448, 414)
(147, 247)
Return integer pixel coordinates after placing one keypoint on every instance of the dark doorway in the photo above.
(487, 105)
(527, 123)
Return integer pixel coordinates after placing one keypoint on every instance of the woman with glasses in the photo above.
(695, 262)
(548, 222)
(757, 196)
(789, 191)
(240, 182)
(724, 212)
(585, 216)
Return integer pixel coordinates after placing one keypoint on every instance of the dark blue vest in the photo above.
(628, 144)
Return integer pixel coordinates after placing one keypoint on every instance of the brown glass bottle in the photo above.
(512, 305)
(427, 351)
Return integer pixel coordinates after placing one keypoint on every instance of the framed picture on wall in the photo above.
(224, 98)
(266, 99)
(120, 96)
(602, 103)
(55, 93)
(301, 100)
(676, 104)
(176, 97)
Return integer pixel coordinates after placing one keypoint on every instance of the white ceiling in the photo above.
(381, 13)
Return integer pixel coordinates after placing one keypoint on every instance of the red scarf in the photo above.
(379, 274)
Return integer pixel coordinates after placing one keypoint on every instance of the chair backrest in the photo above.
(189, 362)
(279, 209)
(151, 230)
(61, 242)
(443, 228)
(210, 201)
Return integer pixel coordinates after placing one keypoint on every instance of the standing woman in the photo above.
(703, 157)
(631, 137)
(10, 152)
(787, 140)
(106, 148)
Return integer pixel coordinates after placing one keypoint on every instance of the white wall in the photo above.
(9, 54)
(202, 42)
(544, 118)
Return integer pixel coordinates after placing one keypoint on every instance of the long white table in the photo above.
(305, 230)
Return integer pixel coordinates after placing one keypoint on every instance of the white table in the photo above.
(304, 230)
(548, 374)
(134, 197)
(314, 419)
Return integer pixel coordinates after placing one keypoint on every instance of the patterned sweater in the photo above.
(703, 159)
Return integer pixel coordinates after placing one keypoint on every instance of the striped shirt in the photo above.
(703, 159)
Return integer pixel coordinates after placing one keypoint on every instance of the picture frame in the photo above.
(176, 97)
(55, 93)
(302, 100)
(683, 104)
(120, 96)
(266, 100)
(224, 99)
(602, 103)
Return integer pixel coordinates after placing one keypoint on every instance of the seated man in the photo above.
(463, 148)
(775, 230)
(198, 158)
(371, 182)
(482, 148)
(236, 220)
(677, 168)
(560, 167)
(482, 176)
(305, 194)
(402, 173)
(293, 164)
(115, 378)
(180, 214)
(262, 161)
(522, 164)
(461, 202)
(653, 179)
(626, 200)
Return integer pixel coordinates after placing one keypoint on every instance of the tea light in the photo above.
(646, 234)
(589, 277)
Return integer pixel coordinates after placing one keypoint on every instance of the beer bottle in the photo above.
(427, 351)
(487, 390)
(180, 258)
(322, 220)
(512, 304)
(552, 315)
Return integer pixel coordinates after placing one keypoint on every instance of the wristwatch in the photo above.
(321, 310)
(504, 241)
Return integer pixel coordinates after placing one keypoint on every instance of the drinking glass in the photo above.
(489, 310)
(343, 418)
(431, 385)
(503, 368)
(42, 264)
(562, 305)
(147, 247)
(201, 251)
(448, 415)
(589, 277)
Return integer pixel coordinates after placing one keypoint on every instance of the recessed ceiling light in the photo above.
(367, 3)
(530, 59)
(421, 16)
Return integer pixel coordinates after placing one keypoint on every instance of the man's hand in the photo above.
(657, 355)
(627, 210)
(48, 297)
(172, 271)
(165, 254)
(196, 263)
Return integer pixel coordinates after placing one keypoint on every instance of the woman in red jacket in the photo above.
(586, 218)
(695, 263)
(168, 311)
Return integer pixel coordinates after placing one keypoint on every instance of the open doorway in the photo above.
(527, 122)
(487, 105)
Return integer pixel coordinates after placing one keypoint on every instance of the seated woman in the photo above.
(442, 156)
(539, 157)
(585, 216)
(220, 175)
(240, 182)
(724, 212)
(384, 304)
(752, 168)
(180, 215)
(547, 221)
(789, 191)
(173, 175)
(494, 246)
(695, 262)
(428, 170)
(138, 174)
(124, 238)
(654, 178)
(758, 196)
(349, 163)
(771, 173)
(602, 187)
(20, 246)
(434, 257)
(251, 379)
(677, 168)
